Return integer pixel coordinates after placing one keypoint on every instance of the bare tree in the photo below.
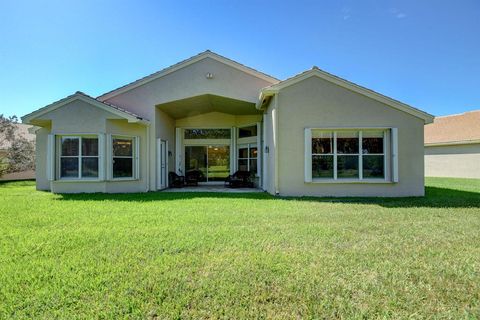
(20, 155)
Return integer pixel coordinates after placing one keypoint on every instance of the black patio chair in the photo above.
(192, 177)
(240, 179)
(175, 181)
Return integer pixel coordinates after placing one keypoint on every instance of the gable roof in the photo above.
(183, 64)
(130, 116)
(461, 128)
(316, 72)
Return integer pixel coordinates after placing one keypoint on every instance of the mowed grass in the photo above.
(174, 255)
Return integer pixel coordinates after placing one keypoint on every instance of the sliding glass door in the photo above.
(213, 162)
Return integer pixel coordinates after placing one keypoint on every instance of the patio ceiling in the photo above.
(207, 103)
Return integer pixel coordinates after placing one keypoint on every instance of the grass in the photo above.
(161, 255)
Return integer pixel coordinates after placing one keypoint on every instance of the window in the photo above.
(78, 157)
(207, 133)
(247, 157)
(247, 132)
(123, 157)
(347, 154)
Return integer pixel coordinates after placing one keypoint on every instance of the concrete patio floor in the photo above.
(213, 188)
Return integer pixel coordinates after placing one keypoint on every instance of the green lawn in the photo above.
(239, 255)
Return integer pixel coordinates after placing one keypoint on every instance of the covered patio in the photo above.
(213, 137)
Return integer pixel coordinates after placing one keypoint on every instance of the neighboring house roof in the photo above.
(130, 116)
(316, 72)
(183, 64)
(461, 128)
(22, 130)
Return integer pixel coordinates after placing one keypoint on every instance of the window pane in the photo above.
(122, 147)
(246, 132)
(69, 167)
(253, 165)
(253, 152)
(243, 153)
(70, 146)
(373, 167)
(347, 166)
(322, 142)
(243, 165)
(90, 147)
(90, 167)
(207, 133)
(122, 167)
(347, 142)
(322, 166)
(372, 142)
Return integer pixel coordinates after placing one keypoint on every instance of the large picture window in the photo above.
(123, 157)
(78, 157)
(347, 154)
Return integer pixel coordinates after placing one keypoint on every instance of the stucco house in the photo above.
(310, 135)
(452, 146)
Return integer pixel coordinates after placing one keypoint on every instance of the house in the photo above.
(310, 135)
(22, 130)
(452, 146)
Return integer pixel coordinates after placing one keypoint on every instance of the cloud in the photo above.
(346, 13)
(397, 13)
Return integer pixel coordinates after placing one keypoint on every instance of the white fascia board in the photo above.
(452, 143)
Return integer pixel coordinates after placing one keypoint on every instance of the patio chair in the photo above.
(240, 179)
(192, 177)
(175, 181)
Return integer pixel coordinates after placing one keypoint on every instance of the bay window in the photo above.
(344, 155)
(79, 157)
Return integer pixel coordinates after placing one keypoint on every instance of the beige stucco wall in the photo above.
(268, 142)
(317, 103)
(217, 120)
(79, 117)
(458, 161)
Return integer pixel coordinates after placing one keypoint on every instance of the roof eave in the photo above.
(83, 97)
(452, 143)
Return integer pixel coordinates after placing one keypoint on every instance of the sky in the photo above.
(425, 53)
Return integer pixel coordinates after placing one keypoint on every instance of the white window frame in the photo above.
(393, 150)
(253, 141)
(80, 157)
(248, 146)
(134, 157)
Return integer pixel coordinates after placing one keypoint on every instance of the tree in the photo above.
(20, 155)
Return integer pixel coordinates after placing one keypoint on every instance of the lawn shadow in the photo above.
(434, 198)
